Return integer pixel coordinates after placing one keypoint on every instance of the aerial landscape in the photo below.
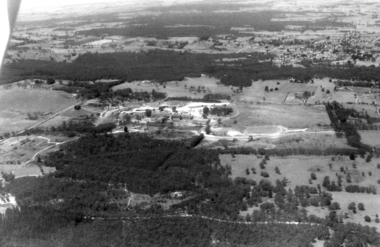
(191, 123)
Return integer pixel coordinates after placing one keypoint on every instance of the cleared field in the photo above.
(26, 170)
(344, 97)
(16, 103)
(257, 91)
(35, 100)
(12, 121)
(297, 169)
(72, 113)
(291, 116)
(370, 137)
(321, 141)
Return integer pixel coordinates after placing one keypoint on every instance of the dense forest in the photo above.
(201, 23)
(130, 158)
(162, 66)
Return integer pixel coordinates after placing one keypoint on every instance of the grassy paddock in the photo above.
(291, 116)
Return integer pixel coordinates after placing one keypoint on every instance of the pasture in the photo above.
(257, 91)
(17, 103)
(297, 170)
(290, 116)
(370, 137)
(26, 100)
(370, 109)
(304, 165)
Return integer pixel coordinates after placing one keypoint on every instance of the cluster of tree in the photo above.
(331, 185)
(74, 127)
(216, 96)
(90, 90)
(221, 111)
(127, 95)
(340, 83)
(360, 189)
(291, 151)
(338, 116)
(236, 79)
(192, 99)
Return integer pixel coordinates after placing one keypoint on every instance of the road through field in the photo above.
(49, 142)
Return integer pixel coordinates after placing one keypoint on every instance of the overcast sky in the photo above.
(33, 4)
(28, 4)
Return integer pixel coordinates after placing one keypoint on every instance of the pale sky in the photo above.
(27, 4)
(34, 3)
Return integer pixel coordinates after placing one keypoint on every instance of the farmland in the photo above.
(292, 116)
(297, 170)
(235, 124)
(39, 104)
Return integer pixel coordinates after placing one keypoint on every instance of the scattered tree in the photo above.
(265, 174)
(277, 170)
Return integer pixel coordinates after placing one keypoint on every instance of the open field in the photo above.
(344, 97)
(315, 140)
(17, 103)
(257, 91)
(11, 121)
(72, 113)
(370, 137)
(26, 170)
(290, 116)
(35, 100)
(304, 165)
(21, 149)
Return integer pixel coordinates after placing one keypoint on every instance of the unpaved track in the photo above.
(49, 142)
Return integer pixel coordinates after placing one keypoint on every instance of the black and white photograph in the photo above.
(189, 123)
